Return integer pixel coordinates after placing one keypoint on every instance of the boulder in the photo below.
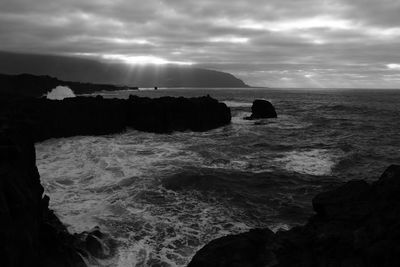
(356, 224)
(348, 201)
(249, 249)
(262, 109)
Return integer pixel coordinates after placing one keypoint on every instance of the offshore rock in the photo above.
(262, 109)
(356, 224)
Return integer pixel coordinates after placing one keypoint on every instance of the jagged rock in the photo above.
(262, 109)
(356, 224)
(167, 114)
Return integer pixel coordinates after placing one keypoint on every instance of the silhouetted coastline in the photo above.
(88, 70)
(36, 86)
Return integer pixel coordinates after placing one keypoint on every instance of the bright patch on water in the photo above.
(313, 162)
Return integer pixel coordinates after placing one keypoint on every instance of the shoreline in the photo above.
(32, 235)
(348, 216)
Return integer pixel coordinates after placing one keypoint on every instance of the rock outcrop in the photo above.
(99, 116)
(30, 233)
(167, 114)
(262, 109)
(356, 224)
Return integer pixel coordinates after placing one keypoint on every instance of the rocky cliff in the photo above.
(30, 233)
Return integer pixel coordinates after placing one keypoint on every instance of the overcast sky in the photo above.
(278, 43)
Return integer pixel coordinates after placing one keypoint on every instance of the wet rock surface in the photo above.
(356, 224)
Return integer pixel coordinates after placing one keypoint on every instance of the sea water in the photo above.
(164, 196)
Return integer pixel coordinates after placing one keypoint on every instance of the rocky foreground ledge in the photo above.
(30, 233)
(355, 225)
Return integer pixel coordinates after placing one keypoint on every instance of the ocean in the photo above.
(164, 196)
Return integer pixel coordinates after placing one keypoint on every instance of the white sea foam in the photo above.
(112, 182)
(314, 162)
(60, 92)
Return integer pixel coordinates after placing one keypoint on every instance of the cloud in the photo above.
(393, 66)
(341, 43)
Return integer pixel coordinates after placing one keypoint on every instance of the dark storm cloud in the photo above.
(319, 43)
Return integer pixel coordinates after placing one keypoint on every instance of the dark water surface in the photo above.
(165, 196)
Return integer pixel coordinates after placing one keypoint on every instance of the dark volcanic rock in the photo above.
(249, 249)
(98, 116)
(356, 224)
(262, 109)
(31, 235)
(167, 114)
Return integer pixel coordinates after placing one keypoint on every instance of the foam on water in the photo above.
(60, 92)
(313, 162)
(114, 182)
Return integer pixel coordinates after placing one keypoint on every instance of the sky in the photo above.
(275, 43)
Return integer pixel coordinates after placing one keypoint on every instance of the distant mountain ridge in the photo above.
(37, 86)
(93, 71)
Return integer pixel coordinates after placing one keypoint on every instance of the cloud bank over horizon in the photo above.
(277, 43)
